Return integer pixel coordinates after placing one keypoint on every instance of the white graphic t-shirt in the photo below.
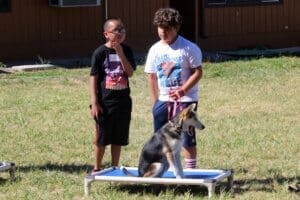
(172, 65)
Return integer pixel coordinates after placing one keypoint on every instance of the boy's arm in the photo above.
(192, 80)
(95, 107)
(153, 87)
(125, 63)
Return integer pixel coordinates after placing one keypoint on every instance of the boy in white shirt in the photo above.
(174, 68)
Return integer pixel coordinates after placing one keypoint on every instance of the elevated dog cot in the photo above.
(10, 167)
(202, 177)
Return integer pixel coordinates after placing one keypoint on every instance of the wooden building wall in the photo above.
(33, 29)
(250, 26)
(137, 16)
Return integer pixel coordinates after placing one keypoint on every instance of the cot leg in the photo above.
(230, 182)
(12, 171)
(87, 185)
(211, 189)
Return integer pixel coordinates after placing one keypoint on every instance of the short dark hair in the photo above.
(167, 17)
(110, 20)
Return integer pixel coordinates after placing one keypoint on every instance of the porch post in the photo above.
(196, 21)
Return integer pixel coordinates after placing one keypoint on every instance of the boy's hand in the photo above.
(96, 111)
(117, 46)
(176, 94)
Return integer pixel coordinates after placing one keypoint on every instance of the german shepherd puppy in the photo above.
(164, 147)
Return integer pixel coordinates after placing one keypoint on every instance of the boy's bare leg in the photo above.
(99, 153)
(190, 154)
(115, 154)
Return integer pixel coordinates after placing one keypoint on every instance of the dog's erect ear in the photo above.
(180, 122)
(192, 106)
(186, 113)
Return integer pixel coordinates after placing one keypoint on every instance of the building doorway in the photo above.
(188, 11)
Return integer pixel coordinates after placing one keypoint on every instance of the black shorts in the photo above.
(113, 128)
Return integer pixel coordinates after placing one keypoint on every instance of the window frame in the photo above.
(5, 6)
(220, 3)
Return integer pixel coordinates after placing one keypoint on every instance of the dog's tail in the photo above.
(127, 172)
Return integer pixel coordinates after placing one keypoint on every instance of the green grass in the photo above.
(250, 109)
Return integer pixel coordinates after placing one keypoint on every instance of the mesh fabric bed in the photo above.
(202, 177)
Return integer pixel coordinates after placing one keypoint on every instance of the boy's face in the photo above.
(115, 32)
(167, 34)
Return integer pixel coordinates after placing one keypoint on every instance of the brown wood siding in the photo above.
(34, 28)
(137, 16)
(251, 26)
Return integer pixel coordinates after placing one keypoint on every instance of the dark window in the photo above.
(74, 3)
(5, 5)
(240, 2)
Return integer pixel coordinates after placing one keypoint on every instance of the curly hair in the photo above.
(167, 17)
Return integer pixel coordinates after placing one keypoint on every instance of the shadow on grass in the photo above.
(68, 168)
(157, 190)
(5, 180)
(239, 187)
(264, 185)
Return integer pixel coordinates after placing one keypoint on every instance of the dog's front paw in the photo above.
(179, 176)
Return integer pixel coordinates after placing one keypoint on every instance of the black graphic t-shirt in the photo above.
(113, 85)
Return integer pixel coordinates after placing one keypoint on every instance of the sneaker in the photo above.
(95, 171)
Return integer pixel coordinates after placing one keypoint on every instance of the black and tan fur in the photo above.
(163, 149)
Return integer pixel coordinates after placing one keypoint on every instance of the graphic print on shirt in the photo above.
(169, 72)
(115, 78)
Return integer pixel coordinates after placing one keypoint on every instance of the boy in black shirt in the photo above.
(112, 64)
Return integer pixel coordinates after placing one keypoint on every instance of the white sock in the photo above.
(190, 163)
